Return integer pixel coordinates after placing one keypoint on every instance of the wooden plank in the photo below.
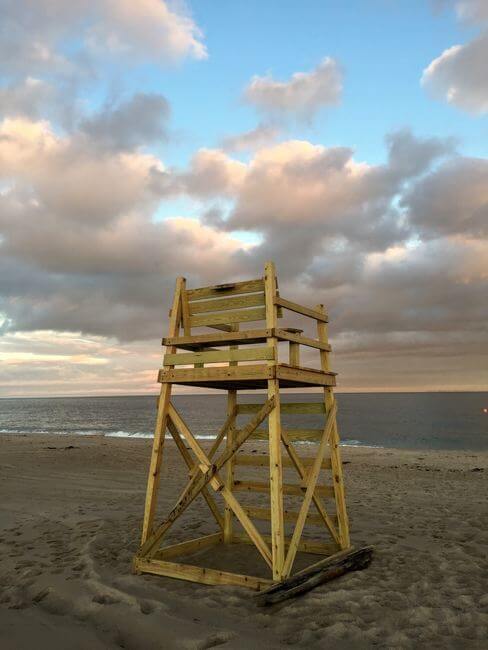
(217, 374)
(229, 476)
(310, 435)
(296, 408)
(274, 432)
(215, 339)
(286, 335)
(160, 427)
(312, 479)
(312, 377)
(219, 356)
(204, 576)
(306, 545)
(294, 353)
(238, 316)
(185, 313)
(224, 304)
(224, 290)
(300, 309)
(324, 571)
(288, 515)
(188, 547)
(262, 460)
(291, 489)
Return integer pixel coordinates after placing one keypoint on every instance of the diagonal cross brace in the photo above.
(303, 473)
(312, 479)
(200, 480)
(190, 464)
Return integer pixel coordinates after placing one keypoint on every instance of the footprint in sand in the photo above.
(105, 599)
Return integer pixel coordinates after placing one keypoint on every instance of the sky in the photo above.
(346, 141)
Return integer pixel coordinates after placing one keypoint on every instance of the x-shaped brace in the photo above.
(208, 474)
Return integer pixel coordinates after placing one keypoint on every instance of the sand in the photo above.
(69, 524)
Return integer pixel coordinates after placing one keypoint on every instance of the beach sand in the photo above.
(70, 517)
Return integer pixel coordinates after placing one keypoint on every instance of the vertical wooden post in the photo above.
(335, 454)
(229, 476)
(294, 357)
(274, 433)
(162, 415)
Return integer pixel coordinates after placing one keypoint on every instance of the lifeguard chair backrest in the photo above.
(224, 306)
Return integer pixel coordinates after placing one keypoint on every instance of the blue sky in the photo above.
(383, 47)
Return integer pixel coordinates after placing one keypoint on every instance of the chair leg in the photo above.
(276, 482)
(229, 477)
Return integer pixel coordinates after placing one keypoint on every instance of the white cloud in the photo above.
(459, 75)
(32, 33)
(146, 28)
(302, 96)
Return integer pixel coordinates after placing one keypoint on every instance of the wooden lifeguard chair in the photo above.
(247, 360)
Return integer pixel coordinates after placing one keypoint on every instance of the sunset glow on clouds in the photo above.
(111, 185)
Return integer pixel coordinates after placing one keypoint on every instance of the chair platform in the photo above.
(255, 376)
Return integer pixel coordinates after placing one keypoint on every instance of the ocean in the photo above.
(399, 420)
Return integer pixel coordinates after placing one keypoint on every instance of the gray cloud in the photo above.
(302, 96)
(260, 136)
(452, 200)
(141, 120)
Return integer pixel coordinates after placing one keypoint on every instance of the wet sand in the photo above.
(70, 516)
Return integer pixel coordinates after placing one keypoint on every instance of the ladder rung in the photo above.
(288, 488)
(288, 515)
(301, 408)
(293, 434)
(305, 545)
(262, 460)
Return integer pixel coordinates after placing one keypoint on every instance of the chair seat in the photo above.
(253, 376)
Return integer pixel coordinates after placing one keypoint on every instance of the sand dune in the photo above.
(69, 525)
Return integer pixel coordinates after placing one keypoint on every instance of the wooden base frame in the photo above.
(214, 470)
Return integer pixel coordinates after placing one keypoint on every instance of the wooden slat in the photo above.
(313, 377)
(299, 408)
(262, 460)
(188, 547)
(217, 374)
(286, 335)
(224, 290)
(238, 302)
(219, 356)
(291, 489)
(264, 514)
(227, 338)
(300, 309)
(205, 576)
(238, 316)
(293, 434)
(306, 545)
